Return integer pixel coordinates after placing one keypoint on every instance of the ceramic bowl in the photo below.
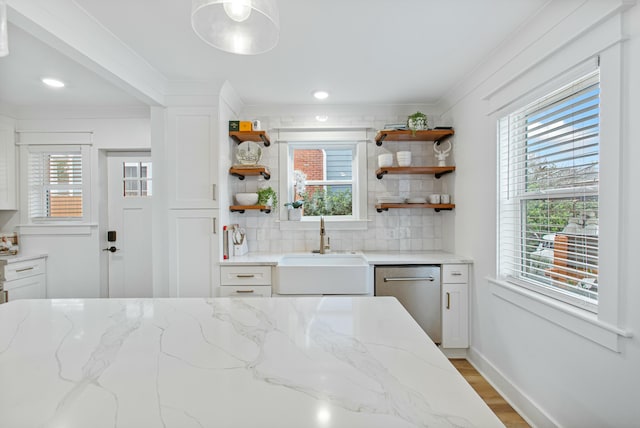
(247, 198)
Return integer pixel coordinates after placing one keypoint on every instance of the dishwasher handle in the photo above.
(410, 278)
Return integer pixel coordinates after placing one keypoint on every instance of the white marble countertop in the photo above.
(373, 258)
(21, 257)
(286, 362)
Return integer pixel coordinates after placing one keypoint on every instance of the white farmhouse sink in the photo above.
(322, 274)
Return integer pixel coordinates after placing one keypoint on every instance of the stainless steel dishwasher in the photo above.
(418, 288)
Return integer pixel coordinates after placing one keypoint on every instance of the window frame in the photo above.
(511, 207)
(84, 151)
(355, 139)
(351, 146)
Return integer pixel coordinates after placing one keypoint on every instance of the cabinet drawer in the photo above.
(455, 274)
(32, 287)
(245, 275)
(23, 269)
(245, 291)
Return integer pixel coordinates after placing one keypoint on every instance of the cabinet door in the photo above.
(8, 183)
(32, 287)
(192, 157)
(193, 253)
(455, 316)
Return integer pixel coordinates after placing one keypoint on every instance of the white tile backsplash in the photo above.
(400, 229)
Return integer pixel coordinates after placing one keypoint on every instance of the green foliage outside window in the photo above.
(324, 202)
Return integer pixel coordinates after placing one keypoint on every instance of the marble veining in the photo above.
(227, 362)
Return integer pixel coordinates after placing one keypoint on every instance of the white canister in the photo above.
(434, 199)
(256, 126)
(445, 198)
(385, 159)
(404, 158)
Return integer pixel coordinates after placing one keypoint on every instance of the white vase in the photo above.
(294, 214)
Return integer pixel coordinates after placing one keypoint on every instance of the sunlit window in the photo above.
(549, 184)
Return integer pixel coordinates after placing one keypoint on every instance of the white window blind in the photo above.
(548, 212)
(55, 184)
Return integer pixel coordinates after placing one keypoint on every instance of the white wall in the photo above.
(400, 229)
(553, 375)
(74, 259)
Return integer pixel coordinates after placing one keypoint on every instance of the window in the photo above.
(549, 183)
(328, 170)
(137, 179)
(56, 183)
(323, 178)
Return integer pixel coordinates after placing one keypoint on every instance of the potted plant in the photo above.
(267, 196)
(299, 186)
(295, 210)
(417, 122)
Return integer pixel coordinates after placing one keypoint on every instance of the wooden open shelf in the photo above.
(241, 173)
(241, 208)
(437, 135)
(240, 136)
(438, 171)
(437, 207)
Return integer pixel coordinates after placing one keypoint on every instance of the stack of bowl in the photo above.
(404, 158)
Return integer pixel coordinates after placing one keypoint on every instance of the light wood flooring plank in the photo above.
(494, 400)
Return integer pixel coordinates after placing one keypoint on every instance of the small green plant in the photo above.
(294, 204)
(265, 194)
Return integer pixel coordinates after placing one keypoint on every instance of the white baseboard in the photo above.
(530, 411)
(454, 352)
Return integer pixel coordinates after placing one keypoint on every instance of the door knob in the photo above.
(112, 249)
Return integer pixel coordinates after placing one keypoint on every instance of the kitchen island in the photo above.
(289, 362)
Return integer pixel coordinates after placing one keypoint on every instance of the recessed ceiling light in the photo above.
(322, 118)
(54, 83)
(321, 95)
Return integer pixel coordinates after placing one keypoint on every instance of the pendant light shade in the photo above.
(4, 37)
(245, 27)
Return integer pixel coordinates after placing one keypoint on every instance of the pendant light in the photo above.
(4, 37)
(245, 27)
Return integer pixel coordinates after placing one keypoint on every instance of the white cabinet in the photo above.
(455, 306)
(245, 281)
(193, 252)
(8, 183)
(192, 157)
(22, 278)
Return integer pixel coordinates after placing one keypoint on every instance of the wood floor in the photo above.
(500, 407)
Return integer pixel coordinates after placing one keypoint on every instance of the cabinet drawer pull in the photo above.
(248, 275)
(448, 300)
(24, 269)
(6, 296)
(410, 278)
(456, 273)
(244, 291)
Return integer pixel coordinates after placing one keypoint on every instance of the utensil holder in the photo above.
(240, 249)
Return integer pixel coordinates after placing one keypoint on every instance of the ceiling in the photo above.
(361, 51)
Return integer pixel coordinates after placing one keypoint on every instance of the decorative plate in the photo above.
(417, 200)
(248, 153)
(391, 199)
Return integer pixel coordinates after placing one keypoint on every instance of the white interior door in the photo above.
(129, 198)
